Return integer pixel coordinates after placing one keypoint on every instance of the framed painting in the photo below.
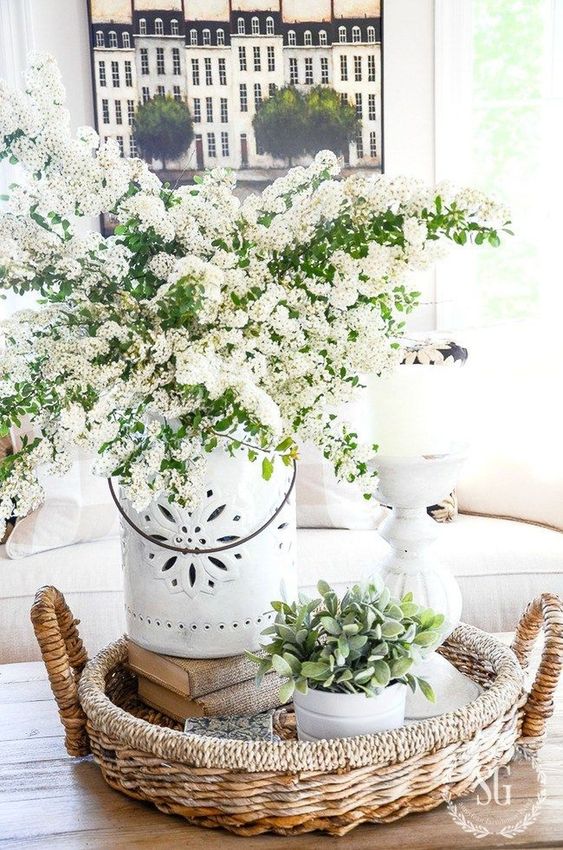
(251, 85)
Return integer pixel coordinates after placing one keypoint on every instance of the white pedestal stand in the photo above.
(409, 485)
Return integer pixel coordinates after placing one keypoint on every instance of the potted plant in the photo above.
(192, 351)
(348, 661)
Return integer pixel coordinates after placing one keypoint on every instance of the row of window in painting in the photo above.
(113, 41)
(294, 65)
(223, 111)
(225, 146)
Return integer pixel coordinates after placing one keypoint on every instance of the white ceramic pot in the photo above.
(215, 603)
(322, 715)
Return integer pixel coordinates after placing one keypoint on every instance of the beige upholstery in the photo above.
(500, 564)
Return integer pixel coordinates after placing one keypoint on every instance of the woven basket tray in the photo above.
(249, 787)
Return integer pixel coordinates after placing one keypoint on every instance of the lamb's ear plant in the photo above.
(360, 643)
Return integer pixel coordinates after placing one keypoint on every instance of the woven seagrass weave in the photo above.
(290, 786)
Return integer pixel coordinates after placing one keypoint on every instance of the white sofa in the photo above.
(501, 564)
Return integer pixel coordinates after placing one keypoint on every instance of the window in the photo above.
(105, 111)
(174, 27)
(208, 72)
(243, 97)
(308, 38)
(224, 110)
(128, 73)
(144, 60)
(371, 68)
(271, 58)
(118, 113)
(146, 94)
(373, 143)
(242, 58)
(160, 60)
(257, 59)
(193, 38)
(102, 73)
(161, 91)
(224, 143)
(308, 71)
(371, 107)
(291, 38)
(206, 35)
(119, 140)
(176, 66)
(209, 109)
(342, 36)
(142, 26)
(356, 35)
(272, 89)
(176, 92)
(323, 41)
(359, 145)
(255, 24)
(293, 71)
(197, 110)
(358, 104)
(195, 72)
(220, 38)
(241, 29)
(358, 69)
(371, 35)
(100, 40)
(324, 70)
(257, 95)
(343, 98)
(343, 68)
(130, 112)
(259, 147)
(132, 146)
(126, 40)
(222, 72)
(211, 147)
(158, 26)
(115, 74)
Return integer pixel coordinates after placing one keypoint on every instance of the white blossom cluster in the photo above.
(202, 320)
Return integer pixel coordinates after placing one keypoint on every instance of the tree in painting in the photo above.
(331, 123)
(163, 129)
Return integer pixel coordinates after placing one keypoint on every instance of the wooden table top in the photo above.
(50, 800)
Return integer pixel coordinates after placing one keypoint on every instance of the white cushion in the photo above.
(501, 565)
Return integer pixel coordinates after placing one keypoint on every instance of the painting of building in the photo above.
(224, 58)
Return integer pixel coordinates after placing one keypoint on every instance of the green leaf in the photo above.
(314, 670)
(267, 468)
(426, 689)
(323, 587)
(281, 666)
(331, 625)
(426, 638)
(286, 691)
(400, 667)
(381, 673)
(392, 628)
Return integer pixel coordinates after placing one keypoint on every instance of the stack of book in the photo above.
(200, 687)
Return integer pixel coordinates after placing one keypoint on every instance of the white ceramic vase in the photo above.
(322, 715)
(216, 601)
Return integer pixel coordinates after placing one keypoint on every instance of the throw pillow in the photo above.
(78, 508)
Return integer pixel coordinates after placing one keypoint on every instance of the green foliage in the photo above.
(331, 124)
(280, 124)
(360, 643)
(163, 128)
(290, 124)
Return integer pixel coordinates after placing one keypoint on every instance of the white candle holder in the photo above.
(409, 485)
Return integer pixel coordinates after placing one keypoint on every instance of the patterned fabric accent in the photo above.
(433, 352)
(446, 510)
(253, 727)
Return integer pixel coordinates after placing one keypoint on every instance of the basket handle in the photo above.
(545, 612)
(64, 656)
